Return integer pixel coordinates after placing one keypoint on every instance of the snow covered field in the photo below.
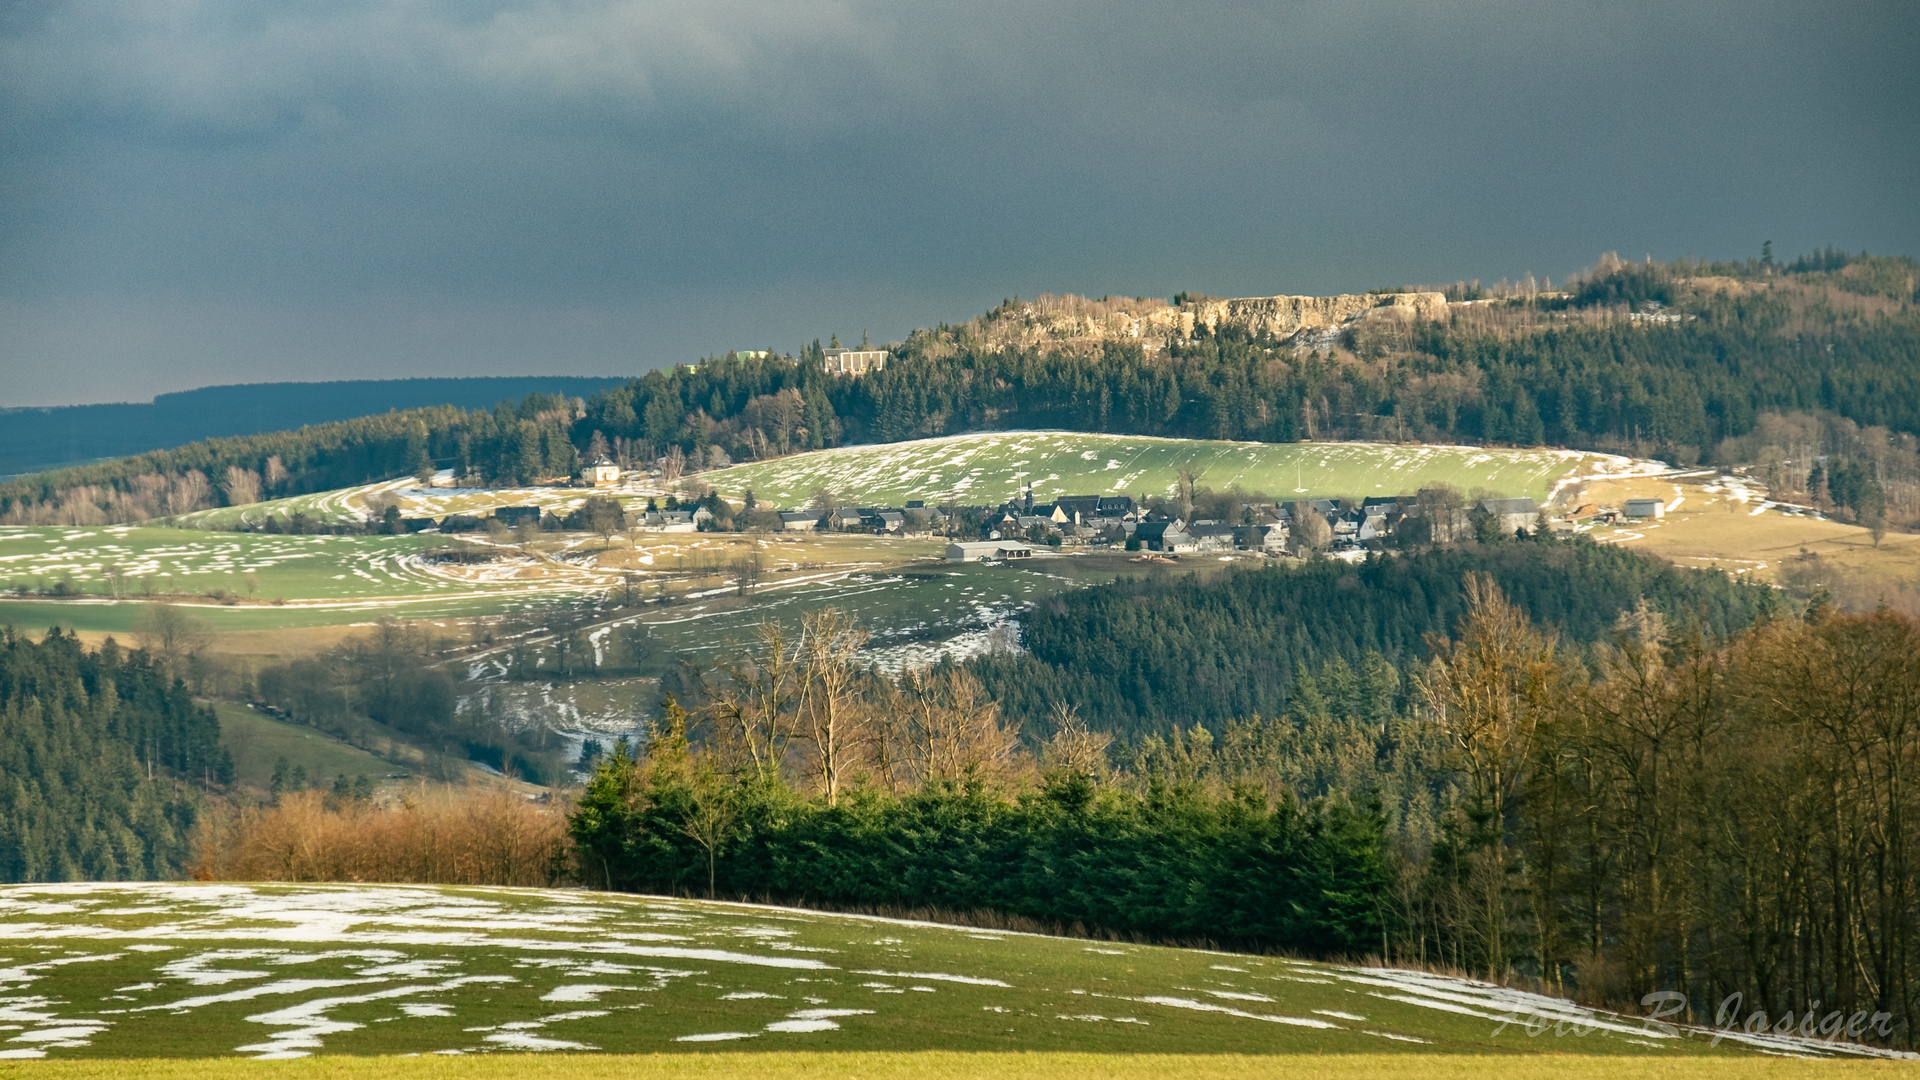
(277, 971)
(990, 468)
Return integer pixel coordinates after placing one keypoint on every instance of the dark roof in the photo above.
(1509, 506)
(516, 513)
(1115, 503)
(1212, 530)
(1156, 530)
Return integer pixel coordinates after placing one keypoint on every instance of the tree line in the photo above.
(805, 777)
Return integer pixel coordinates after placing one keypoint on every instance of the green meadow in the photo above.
(205, 970)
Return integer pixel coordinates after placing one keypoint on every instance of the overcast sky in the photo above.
(209, 191)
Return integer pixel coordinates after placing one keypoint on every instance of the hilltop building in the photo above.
(855, 361)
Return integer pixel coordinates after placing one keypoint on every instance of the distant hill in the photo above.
(35, 439)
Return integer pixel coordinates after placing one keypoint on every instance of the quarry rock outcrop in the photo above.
(1070, 320)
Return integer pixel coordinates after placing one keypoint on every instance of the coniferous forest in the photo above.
(103, 758)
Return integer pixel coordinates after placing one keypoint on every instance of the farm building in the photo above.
(798, 521)
(1644, 508)
(514, 515)
(984, 550)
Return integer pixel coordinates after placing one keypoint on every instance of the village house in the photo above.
(1512, 515)
(1169, 536)
(1213, 537)
(1266, 539)
(669, 521)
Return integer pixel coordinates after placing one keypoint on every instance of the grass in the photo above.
(937, 1065)
(207, 970)
(257, 741)
(991, 468)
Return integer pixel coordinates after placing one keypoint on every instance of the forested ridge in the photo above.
(1143, 654)
(1683, 361)
(43, 438)
(101, 753)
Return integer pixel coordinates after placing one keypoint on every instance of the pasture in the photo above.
(202, 970)
(992, 468)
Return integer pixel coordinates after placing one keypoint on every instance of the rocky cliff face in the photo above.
(1072, 320)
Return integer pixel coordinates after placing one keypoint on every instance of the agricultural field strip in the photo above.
(996, 466)
(379, 569)
(279, 971)
(349, 505)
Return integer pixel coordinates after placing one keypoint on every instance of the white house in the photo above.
(602, 472)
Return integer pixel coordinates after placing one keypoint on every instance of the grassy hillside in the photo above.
(281, 971)
(257, 741)
(990, 468)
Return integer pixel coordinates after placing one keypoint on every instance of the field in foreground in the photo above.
(993, 467)
(283, 971)
(938, 1065)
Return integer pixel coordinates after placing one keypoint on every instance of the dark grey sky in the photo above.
(204, 191)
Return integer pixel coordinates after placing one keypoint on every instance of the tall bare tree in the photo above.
(832, 716)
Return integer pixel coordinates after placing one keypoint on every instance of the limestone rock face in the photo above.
(1071, 321)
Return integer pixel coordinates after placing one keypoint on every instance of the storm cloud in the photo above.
(200, 191)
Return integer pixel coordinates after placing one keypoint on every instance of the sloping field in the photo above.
(282, 971)
(991, 468)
